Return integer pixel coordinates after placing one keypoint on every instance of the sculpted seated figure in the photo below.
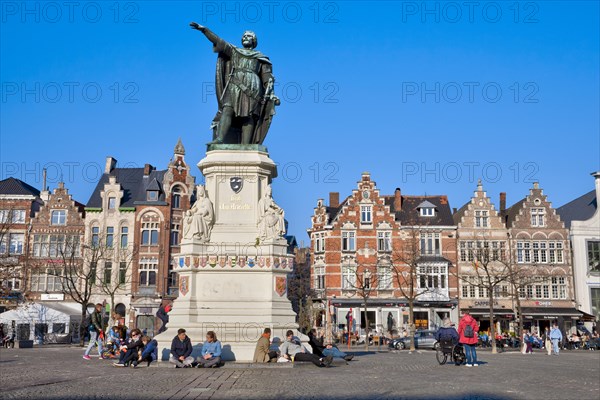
(199, 220)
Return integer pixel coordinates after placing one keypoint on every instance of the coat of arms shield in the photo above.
(236, 183)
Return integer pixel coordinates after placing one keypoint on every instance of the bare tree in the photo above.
(364, 285)
(79, 274)
(114, 282)
(298, 290)
(14, 262)
(405, 269)
(489, 270)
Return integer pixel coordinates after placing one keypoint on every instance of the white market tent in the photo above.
(36, 321)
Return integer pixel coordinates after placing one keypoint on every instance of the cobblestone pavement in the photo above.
(61, 373)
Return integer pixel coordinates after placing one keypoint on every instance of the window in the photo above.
(16, 243)
(463, 251)
(48, 280)
(348, 277)
(384, 275)
(366, 214)
(56, 245)
(593, 248)
(427, 211)
(152, 195)
(110, 236)
(93, 272)
(432, 278)
(150, 233)
(366, 280)
(112, 203)
(173, 281)
(59, 328)
(319, 277)
(481, 218)
(465, 291)
(95, 236)
(472, 291)
(174, 234)
(430, 244)
(122, 272)
(12, 216)
(559, 287)
(176, 197)
(537, 217)
(107, 272)
(58, 217)
(348, 241)
(595, 300)
(148, 269)
(470, 252)
(384, 241)
(319, 239)
(527, 251)
(124, 236)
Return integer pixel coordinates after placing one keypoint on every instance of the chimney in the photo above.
(334, 199)
(147, 169)
(397, 200)
(536, 185)
(596, 176)
(44, 194)
(110, 164)
(502, 202)
(454, 210)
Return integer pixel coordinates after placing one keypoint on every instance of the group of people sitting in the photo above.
(181, 351)
(140, 348)
(293, 350)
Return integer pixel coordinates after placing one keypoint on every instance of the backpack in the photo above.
(468, 333)
(88, 323)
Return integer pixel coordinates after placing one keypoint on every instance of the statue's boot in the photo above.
(216, 141)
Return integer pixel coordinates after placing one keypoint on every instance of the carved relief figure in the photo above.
(199, 220)
(271, 223)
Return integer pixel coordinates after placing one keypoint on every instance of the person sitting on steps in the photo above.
(181, 348)
(293, 350)
(210, 355)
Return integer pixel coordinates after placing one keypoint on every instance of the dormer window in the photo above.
(427, 212)
(112, 203)
(426, 209)
(152, 195)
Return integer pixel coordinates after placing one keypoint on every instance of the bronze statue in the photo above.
(244, 88)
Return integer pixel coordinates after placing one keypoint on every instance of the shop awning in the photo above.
(587, 317)
(391, 303)
(485, 312)
(551, 313)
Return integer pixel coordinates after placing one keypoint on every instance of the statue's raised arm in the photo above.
(210, 35)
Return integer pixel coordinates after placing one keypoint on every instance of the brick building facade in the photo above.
(150, 204)
(367, 241)
(18, 204)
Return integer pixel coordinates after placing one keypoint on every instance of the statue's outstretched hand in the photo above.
(197, 26)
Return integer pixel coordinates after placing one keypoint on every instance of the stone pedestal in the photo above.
(234, 284)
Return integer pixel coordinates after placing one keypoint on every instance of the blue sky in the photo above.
(428, 97)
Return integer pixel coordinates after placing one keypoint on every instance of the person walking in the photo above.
(555, 336)
(547, 341)
(467, 332)
(96, 333)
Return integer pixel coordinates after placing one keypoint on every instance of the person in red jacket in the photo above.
(467, 332)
